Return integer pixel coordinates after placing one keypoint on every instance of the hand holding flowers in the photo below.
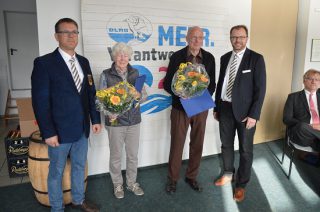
(116, 100)
(190, 80)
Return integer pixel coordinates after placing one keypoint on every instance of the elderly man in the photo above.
(179, 119)
(301, 112)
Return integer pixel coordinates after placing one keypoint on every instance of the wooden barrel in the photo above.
(38, 165)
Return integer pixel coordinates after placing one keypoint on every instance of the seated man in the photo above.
(301, 112)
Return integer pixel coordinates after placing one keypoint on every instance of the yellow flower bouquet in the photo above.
(190, 80)
(117, 100)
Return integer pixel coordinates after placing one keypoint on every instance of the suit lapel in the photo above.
(318, 100)
(63, 66)
(65, 70)
(304, 100)
(243, 64)
(245, 60)
(224, 65)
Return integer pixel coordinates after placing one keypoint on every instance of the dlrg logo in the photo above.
(130, 28)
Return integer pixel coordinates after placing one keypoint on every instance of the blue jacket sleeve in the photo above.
(40, 90)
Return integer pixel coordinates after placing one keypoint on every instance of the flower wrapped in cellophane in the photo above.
(190, 80)
(117, 100)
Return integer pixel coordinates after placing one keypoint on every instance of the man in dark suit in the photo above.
(179, 119)
(63, 98)
(239, 97)
(301, 112)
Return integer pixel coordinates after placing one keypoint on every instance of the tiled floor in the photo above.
(5, 180)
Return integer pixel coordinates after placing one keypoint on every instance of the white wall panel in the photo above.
(215, 16)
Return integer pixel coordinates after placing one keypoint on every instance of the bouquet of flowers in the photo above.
(117, 99)
(190, 80)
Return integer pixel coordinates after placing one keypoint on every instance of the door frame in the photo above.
(9, 74)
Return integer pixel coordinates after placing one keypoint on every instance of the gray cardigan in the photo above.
(109, 78)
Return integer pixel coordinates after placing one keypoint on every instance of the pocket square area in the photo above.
(246, 71)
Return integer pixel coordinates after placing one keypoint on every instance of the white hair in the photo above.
(121, 48)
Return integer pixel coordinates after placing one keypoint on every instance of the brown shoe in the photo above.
(86, 206)
(171, 186)
(239, 194)
(224, 179)
(194, 184)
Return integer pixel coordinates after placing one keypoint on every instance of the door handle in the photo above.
(13, 50)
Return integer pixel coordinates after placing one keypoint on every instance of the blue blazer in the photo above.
(58, 107)
(249, 87)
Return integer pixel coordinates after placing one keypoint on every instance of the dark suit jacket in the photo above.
(181, 57)
(296, 109)
(59, 108)
(248, 89)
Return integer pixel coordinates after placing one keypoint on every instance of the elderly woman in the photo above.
(127, 130)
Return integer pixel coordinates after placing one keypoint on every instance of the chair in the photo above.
(293, 147)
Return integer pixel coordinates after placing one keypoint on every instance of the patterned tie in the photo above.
(75, 74)
(232, 75)
(314, 115)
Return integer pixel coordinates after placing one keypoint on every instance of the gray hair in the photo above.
(311, 72)
(121, 48)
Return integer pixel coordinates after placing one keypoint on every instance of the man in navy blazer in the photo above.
(63, 111)
(239, 97)
(301, 118)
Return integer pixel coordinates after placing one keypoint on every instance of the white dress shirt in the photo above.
(226, 78)
(66, 57)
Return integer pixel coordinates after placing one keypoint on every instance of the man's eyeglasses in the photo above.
(68, 32)
(194, 38)
(238, 38)
(312, 79)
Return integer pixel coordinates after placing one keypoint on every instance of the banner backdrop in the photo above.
(155, 29)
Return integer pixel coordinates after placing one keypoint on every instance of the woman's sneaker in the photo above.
(136, 189)
(118, 191)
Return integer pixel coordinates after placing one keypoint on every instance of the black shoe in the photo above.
(171, 186)
(194, 184)
(86, 206)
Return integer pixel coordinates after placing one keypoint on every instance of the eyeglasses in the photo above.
(312, 79)
(68, 33)
(194, 38)
(238, 37)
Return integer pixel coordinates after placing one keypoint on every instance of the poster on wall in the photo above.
(156, 29)
(315, 50)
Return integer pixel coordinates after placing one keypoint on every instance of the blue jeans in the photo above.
(58, 158)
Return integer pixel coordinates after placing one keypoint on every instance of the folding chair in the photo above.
(293, 147)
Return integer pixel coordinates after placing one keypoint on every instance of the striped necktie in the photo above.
(232, 75)
(75, 74)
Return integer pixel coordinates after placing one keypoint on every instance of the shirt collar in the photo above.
(239, 54)
(198, 55)
(65, 55)
(308, 92)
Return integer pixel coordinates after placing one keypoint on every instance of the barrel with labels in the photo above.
(38, 164)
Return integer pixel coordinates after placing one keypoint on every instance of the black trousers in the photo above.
(228, 126)
(304, 135)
